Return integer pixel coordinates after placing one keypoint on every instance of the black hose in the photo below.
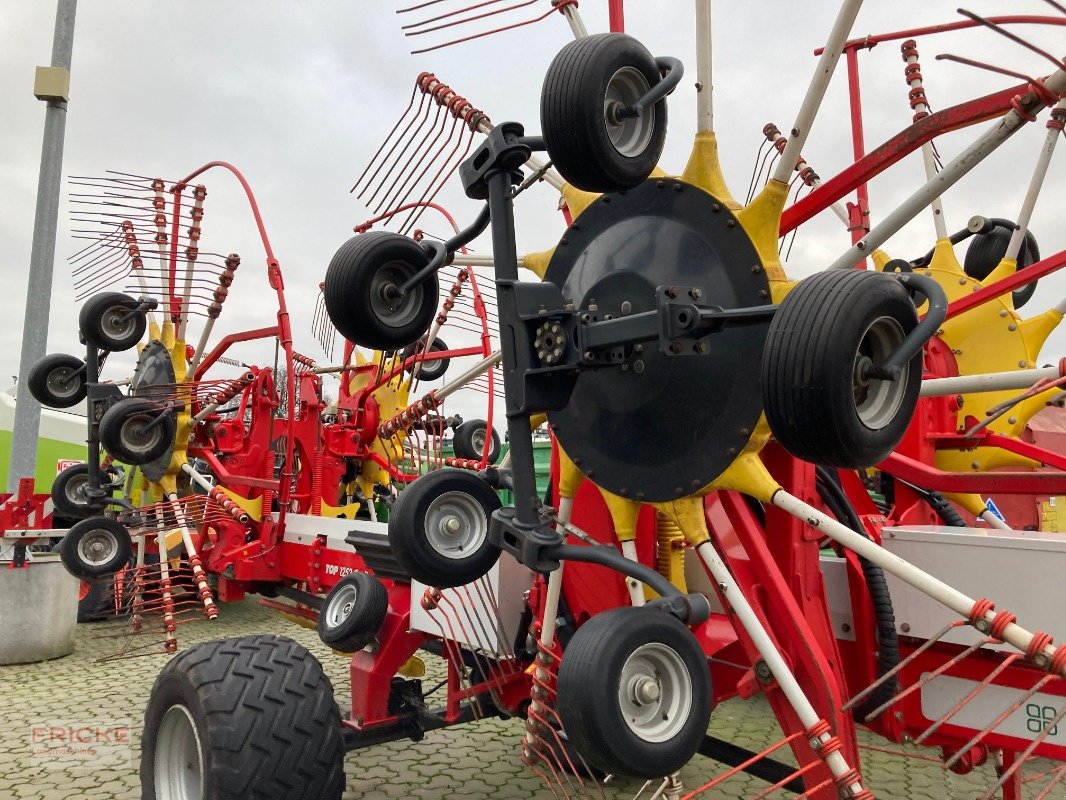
(945, 510)
(832, 494)
(936, 501)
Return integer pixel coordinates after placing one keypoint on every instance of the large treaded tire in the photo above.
(592, 685)
(265, 716)
(809, 390)
(572, 114)
(359, 269)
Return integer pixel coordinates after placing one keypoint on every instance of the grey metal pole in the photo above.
(42, 254)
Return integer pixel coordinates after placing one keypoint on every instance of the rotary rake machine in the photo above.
(209, 476)
(710, 533)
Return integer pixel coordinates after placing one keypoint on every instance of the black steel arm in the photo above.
(442, 251)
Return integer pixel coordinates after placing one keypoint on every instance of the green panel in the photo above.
(49, 452)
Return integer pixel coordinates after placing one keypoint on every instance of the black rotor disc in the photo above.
(663, 426)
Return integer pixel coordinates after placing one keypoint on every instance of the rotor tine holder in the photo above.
(923, 331)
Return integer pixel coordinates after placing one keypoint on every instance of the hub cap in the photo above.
(456, 525)
(97, 547)
(655, 692)
(629, 135)
(178, 757)
(876, 400)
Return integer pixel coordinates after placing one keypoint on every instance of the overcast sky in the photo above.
(299, 95)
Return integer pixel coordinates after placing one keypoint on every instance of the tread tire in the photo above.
(463, 441)
(70, 548)
(354, 631)
(93, 318)
(572, 113)
(409, 539)
(986, 250)
(589, 678)
(128, 411)
(39, 382)
(429, 370)
(64, 493)
(348, 284)
(807, 379)
(266, 717)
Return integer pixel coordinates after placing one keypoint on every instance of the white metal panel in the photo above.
(838, 596)
(942, 693)
(305, 528)
(1022, 571)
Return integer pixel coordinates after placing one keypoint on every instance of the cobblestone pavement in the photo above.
(479, 760)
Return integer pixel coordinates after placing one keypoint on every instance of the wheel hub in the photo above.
(392, 306)
(178, 757)
(97, 547)
(118, 321)
(876, 399)
(61, 382)
(629, 134)
(341, 606)
(455, 524)
(646, 690)
(655, 692)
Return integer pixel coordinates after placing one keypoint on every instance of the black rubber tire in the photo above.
(66, 493)
(572, 118)
(100, 603)
(122, 431)
(411, 526)
(97, 602)
(348, 623)
(351, 291)
(589, 683)
(427, 370)
(808, 365)
(109, 322)
(465, 443)
(110, 533)
(265, 716)
(53, 382)
(565, 758)
(986, 250)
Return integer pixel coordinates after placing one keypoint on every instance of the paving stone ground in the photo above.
(479, 760)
